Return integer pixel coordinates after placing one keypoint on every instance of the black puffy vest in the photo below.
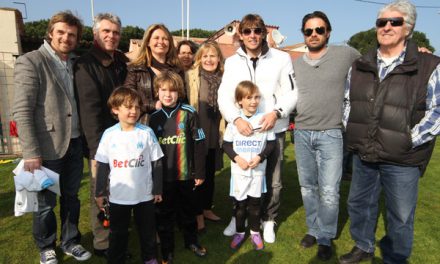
(383, 113)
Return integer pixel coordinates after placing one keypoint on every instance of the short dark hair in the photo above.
(252, 20)
(317, 14)
(174, 81)
(68, 18)
(122, 95)
(193, 46)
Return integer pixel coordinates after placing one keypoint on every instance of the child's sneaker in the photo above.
(151, 261)
(237, 240)
(257, 241)
(48, 257)
(78, 252)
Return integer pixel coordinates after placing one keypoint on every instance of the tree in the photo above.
(195, 32)
(366, 40)
(130, 32)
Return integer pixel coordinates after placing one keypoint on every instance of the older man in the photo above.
(392, 106)
(49, 132)
(97, 74)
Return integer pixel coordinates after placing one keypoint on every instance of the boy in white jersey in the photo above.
(125, 177)
(248, 154)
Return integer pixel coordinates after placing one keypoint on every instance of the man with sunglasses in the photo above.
(320, 77)
(272, 71)
(392, 101)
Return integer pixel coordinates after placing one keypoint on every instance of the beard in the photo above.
(318, 47)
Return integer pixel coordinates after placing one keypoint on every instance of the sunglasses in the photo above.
(248, 31)
(394, 21)
(309, 31)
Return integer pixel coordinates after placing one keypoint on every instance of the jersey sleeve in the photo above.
(102, 154)
(228, 136)
(156, 151)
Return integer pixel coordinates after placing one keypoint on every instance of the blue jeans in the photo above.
(319, 163)
(400, 186)
(70, 169)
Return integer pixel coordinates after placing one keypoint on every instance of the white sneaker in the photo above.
(48, 257)
(230, 230)
(268, 232)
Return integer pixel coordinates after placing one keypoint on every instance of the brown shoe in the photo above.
(356, 255)
(209, 215)
(308, 241)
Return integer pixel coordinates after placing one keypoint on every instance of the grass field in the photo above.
(17, 246)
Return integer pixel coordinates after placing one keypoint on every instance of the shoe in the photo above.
(257, 241)
(356, 255)
(324, 252)
(78, 252)
(197, 250)
(209, 215)
(268, 232)
(151, 261)
(308, 241)
(48, 257)
(230, 230)
(237, 240)
(201, 231)
(103, 253)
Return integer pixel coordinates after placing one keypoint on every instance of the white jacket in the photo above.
(274, 77)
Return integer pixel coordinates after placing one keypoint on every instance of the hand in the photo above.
(157, 198)
(254, 162)
(268, 121)
(158, 105)
(242, 163)
(424, 50)
(244, 127)
(32, 164)
(198, 182)
(100, 201)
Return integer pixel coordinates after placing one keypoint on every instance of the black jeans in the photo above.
(178, 198)
(120, 216)
(250, 209)
(70, 169)
(205, 192)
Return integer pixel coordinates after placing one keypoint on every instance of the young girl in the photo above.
(182, 141)
(249, 164)
(124, 158)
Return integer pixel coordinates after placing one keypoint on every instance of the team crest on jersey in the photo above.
(159, 128)
(181, 125)
(113, 145)
(140, 145)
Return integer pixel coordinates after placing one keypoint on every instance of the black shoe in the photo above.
(324, 252)
(103, 253)
(197, 250)
(308, 241)
(356, 255)
(201, 231)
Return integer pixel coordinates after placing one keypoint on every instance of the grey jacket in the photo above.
(42, 108)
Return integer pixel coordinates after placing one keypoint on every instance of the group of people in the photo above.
(154, 130)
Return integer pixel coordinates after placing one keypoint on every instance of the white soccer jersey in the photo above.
(129, 154)
(248, 147)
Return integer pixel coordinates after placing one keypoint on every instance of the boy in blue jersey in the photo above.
(124, 158)
(182, 141)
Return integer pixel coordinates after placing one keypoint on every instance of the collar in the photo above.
(54, 55)
(104, 58)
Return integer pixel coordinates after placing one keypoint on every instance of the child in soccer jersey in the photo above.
(125, 158)
(248, 166)
(182, 141)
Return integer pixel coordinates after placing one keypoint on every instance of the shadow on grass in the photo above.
(260, 257)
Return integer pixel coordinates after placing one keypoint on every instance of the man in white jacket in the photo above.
(272, 71)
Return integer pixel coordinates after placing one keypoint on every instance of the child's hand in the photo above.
(157, 198)
(254, 162)
(242, 163)
(100, 201)
(198, 182)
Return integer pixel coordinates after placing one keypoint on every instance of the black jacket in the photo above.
(97, 74)
(384, 112)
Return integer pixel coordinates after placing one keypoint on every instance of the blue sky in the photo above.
(347, 16)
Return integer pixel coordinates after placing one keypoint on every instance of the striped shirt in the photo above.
(429, 125)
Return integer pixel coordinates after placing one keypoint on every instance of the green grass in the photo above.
(17, 246)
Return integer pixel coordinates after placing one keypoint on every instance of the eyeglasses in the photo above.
(309, 31)
(394, 21)
(248, 31)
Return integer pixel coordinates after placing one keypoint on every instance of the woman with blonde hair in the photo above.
(156, 54)
(202, 82)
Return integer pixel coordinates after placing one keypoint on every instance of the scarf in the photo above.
(161, 66)
(213, 79)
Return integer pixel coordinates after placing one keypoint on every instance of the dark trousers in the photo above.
(70, 169)
(120, 216)
(178, 198)
(205, 192)
(250, 209)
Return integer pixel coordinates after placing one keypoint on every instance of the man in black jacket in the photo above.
(391, 105)
(97, 74)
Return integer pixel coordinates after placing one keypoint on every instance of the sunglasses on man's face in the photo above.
(248, 31)
(394, 21)
(309, 31)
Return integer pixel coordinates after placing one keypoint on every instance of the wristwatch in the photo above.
(278, 112)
